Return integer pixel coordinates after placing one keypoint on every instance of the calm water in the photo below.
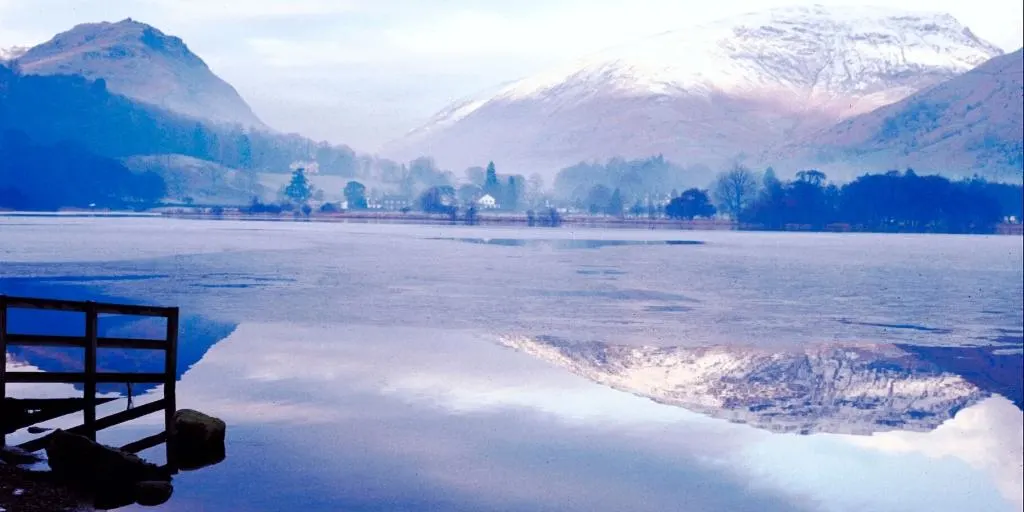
(388, 367)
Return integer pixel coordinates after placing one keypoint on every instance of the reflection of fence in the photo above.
(15, 413)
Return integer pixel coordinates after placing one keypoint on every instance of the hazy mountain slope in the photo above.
(52, 109)
(706, 94)
(971, 123)
(841, 389)
(202, 181)
(143, 63)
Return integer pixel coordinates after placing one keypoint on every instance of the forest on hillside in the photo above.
(62, 175)
(52, 109)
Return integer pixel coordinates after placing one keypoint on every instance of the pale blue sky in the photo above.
(364, 72)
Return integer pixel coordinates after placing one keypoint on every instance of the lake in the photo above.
(402, 367)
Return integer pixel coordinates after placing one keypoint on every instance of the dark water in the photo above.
(365, 367)
(571, 243)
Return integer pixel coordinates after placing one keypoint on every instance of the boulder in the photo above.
(198, 428)
(198, 440)
(81, 460)
(112, 497)
(153, 493)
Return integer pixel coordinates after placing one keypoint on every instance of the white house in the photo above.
(487, 201)
(310, 167)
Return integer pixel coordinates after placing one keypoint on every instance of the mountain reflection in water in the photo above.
(845, 389)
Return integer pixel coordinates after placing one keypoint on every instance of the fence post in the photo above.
(170, 381)
(3, 365)
(91, 321)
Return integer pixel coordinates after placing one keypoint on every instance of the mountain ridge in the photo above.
(970, 123)
(141, 62)
(709, 94)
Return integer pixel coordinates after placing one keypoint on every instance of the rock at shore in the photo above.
(79, 459)
(198, 440)
(197, 428)
(153, 493)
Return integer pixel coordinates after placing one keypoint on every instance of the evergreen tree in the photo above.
(299, 190)
(491, 178)
(491, 184)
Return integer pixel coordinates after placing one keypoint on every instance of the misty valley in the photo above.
(558, 256)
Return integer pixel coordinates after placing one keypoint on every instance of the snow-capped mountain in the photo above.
(837, 389)
(709, 93)
(142, 63)
(972, 123)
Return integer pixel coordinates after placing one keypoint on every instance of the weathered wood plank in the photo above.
(3, 358)
(120, 417)
(79, 377)
(170, 392)
(16, 416)
(104, 308)
(145, 443)
(101, 423)
(42, 340)
(91, 328)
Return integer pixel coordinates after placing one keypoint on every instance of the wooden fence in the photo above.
(91, 342)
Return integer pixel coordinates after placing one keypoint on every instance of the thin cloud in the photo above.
(241, 10)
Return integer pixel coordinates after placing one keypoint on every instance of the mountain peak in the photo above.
(140, 61)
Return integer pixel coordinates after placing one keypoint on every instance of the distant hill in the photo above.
(198, 181)
(142, 63)
(53, 109)
(971, 123)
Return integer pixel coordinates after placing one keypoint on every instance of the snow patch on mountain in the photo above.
(787, 67)
(826, 53)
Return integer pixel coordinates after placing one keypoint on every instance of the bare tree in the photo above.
(735, 189)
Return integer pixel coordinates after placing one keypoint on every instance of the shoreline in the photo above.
(520, 220)
(31, 491)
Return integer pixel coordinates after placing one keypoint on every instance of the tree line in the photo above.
(890, 201)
